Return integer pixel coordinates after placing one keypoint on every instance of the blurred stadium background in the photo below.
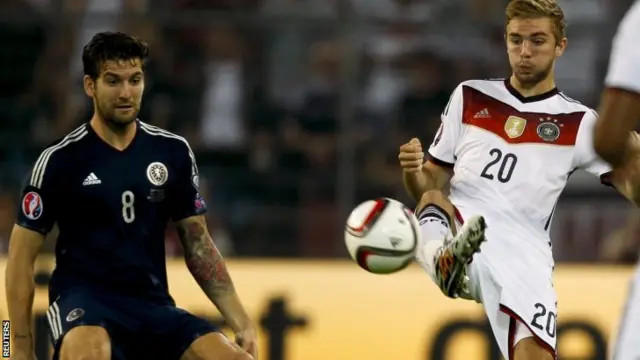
(296, 109)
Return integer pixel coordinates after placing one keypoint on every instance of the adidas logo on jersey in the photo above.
(92, 179)
(482, 114)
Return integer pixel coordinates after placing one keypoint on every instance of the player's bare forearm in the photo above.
(19, 279)
(619, 112)
(208, 268)
(20, 292)
(203, 258)
(626, 178)
(414, 183)
(432, 177)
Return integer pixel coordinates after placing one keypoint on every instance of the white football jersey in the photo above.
(624, 64)
(512, 157)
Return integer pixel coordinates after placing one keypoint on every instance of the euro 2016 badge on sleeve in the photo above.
(199, 202)
(32, 205)
(157, 173)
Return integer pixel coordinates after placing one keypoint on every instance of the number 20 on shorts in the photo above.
(539, 322)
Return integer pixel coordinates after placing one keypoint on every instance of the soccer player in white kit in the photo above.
(503, 154)
(619, 114)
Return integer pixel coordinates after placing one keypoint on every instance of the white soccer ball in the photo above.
(382, 235)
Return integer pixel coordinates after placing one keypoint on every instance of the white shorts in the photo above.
(626, 345)
(518, 306)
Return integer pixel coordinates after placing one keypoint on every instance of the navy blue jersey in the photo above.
(112, 208)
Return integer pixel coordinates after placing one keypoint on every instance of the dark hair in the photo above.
(105, 46)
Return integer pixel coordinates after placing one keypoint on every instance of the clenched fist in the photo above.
(411, 156)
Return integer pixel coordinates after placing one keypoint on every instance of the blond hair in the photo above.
(533, 9)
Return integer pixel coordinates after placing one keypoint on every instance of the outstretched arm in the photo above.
(35, 218)
(619, 114)
(208, 268)
(620, 103)
(435, 174)
(23, 250)
(201, 254)
(626, 178)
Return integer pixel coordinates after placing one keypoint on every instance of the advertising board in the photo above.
(310, 310)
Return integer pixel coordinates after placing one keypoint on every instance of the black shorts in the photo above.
(137, 329)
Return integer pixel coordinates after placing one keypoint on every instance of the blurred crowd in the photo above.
(294, 108)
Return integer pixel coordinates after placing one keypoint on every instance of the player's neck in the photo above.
(542, 87)
(119, 138)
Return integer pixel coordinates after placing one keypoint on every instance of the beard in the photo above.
(116, 118)
(531, 77)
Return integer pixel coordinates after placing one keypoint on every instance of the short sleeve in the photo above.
(585, 155)
(442, 149)
(624, 63)
(38, 207)
(186, 200)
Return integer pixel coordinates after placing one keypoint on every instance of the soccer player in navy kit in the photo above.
(111, 186)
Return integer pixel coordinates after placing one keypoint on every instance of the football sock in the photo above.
(434, 229)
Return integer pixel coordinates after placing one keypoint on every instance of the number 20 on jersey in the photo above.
(500, 167)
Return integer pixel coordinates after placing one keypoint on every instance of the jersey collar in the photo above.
(529, 99)
(104, 143)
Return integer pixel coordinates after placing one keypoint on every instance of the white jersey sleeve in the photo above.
(624, 64)
(442, 149)
(585, 155)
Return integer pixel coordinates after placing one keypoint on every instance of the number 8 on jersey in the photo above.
(128, 210)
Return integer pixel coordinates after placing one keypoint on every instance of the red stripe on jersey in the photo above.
(517, 127)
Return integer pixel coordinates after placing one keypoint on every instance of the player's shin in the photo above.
(426, 254)
(434, 228)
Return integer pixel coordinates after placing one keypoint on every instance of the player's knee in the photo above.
(530, 349)
(214, 346)
(86, 342)
(435, 197)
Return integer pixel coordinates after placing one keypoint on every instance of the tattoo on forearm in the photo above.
(204, 260)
